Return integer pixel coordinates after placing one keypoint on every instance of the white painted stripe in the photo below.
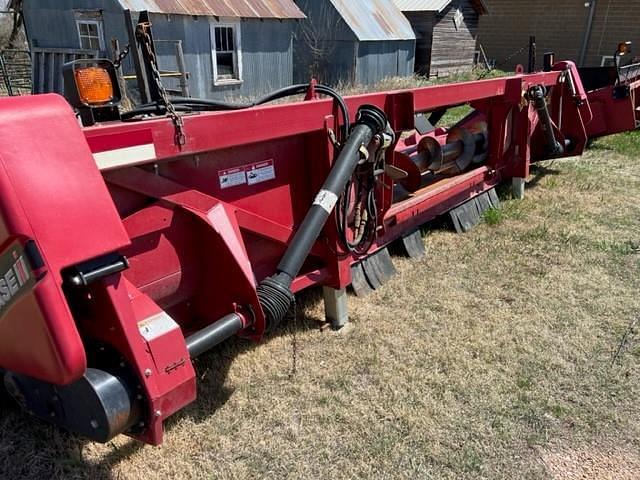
(124, 157)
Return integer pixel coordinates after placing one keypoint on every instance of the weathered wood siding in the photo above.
(422, 23)
(453, 49)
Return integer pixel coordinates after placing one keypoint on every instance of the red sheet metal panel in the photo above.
(280, 9)
(53, 194)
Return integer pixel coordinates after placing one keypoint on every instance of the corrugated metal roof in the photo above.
(434, 5)
(422, 5)
(374, 20)
(219, 8)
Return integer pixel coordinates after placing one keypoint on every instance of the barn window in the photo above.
(90, 34)
(226, 53)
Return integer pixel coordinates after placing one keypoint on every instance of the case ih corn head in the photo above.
(135, 243)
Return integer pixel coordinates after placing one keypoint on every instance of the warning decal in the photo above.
(251, 174)
(232, 178)
(260, 172)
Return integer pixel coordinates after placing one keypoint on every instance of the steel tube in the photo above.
(214, 334)
(587, 33)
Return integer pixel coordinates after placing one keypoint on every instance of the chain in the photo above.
(294, 342)
(503, 62)
(177, 120)
(123, 54)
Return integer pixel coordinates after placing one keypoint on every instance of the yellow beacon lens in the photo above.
(94, 85)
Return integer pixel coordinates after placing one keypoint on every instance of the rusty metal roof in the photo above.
(435, 5)
(374, 20)
(280, 9)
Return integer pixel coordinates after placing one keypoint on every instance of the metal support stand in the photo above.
(335, 307)
(518, 188)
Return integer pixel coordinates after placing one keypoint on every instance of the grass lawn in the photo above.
(509, 352)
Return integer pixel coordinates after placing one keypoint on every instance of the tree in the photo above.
(15, 7)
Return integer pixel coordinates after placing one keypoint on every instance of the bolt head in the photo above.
(147, 372)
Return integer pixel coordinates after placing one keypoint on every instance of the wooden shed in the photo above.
(352, 42)
(446, 33)
(229, 48)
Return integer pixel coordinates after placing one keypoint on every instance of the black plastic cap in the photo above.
(373, 117)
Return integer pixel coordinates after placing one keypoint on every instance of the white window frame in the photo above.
(237, 57)
(98, 24)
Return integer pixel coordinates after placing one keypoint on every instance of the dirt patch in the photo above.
(593, 463)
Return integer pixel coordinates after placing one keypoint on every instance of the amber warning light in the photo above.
(94, 85)
(91, 87)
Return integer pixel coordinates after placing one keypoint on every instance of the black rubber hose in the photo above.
(183, 104)
(276, 290)
(212, 105)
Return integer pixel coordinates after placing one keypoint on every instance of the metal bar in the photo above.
(216, 333)
(51, 66)
(115, 46)
(40, 86)
(75, 51)
(144, 33)
(532, 55)
(136, 53)
(164, 74)
(587, 33)
(184, 80)
(5, 74)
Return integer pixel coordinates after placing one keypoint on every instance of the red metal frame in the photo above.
(197, 247)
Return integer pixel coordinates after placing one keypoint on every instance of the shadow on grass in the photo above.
(31, 448)
(539, 172)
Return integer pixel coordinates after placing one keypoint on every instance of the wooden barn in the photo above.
(446, 33)
(352, 42)
(228, 49)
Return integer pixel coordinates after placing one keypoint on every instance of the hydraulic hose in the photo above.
(275, 292)
(183, 104)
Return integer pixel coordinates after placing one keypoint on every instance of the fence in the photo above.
(15, 69)
(47, 66)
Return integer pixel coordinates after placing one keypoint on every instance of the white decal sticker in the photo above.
(251, 174)
(260, 172)
(156, 326)
(232, 177)
(326, 199)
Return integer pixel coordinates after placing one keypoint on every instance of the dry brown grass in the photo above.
(493, 357)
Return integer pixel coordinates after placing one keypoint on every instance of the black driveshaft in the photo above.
(274, 292)
(370, 121)
(214, 334)
(537, 95)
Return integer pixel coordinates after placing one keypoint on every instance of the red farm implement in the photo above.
(135, 244)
